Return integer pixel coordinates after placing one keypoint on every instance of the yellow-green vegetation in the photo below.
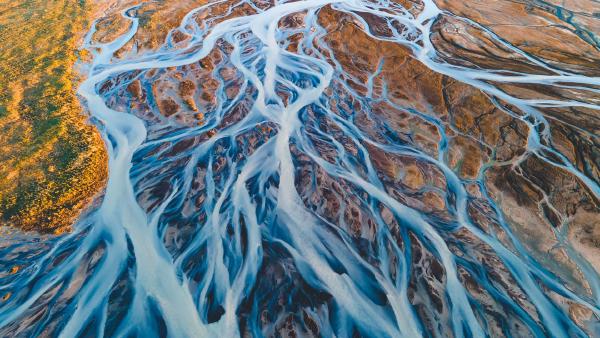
(51, 161)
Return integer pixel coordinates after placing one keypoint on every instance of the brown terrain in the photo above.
(549, 209)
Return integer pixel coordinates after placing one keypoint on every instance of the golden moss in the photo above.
(51, 161)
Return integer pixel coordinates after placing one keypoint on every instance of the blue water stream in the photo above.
(233, 243)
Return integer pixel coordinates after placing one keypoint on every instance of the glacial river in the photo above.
(232, 243)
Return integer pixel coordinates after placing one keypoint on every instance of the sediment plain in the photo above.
(318, 168)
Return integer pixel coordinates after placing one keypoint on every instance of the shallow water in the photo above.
(273, 215)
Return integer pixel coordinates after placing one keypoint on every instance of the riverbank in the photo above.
(52, 161)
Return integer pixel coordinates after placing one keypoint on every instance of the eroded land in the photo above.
(487, 138)
(550, 210)
(531, 181)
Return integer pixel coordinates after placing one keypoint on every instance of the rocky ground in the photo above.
(542, 201)
(550, 210)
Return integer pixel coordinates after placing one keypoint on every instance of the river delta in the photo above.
(324, 168)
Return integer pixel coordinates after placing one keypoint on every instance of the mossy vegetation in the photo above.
(52, 162)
